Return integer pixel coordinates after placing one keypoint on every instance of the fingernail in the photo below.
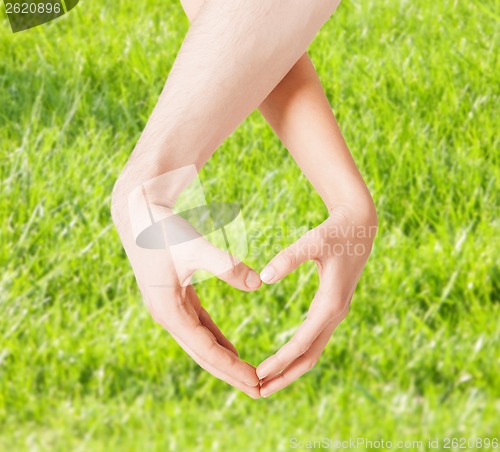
(253, 280)
(266, 394)
(267, 275)
(263, 371)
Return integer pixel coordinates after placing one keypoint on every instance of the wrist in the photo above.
(359, 209)
(139, 198)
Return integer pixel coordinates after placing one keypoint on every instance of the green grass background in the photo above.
(83, 367)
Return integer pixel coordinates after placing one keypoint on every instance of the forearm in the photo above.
(300, 114)
(234, 54)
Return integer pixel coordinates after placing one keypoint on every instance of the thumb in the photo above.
(228, 268)
(287, 260)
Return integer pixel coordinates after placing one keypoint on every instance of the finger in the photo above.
(207, 321)
(321, 313)
(251, 391)
(191, 251)
(180, 318)
(297, 346)
(300, 366)
(204, 344)
(289, 259)
(228, 268)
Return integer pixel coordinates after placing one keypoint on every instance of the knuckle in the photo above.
(211, 351)
(288, 257)
(228, 271)
(334, 311)
(286, 379)
(337, 310)
(337, 315)
(220, 360)
(283, 379)
(310, 363)
(179, 314)
(301, 346)
(179, 306)
(232, 272)
(279, 360)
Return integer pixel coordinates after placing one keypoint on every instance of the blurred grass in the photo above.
(415, 88)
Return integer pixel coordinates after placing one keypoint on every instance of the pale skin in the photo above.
(260, 46)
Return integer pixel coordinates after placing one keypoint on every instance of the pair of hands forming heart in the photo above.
(340, 246)
(238, 56)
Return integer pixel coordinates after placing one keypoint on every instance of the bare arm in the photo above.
(230, 45)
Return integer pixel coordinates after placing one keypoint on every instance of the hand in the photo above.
(164, 278)
(340, 247)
